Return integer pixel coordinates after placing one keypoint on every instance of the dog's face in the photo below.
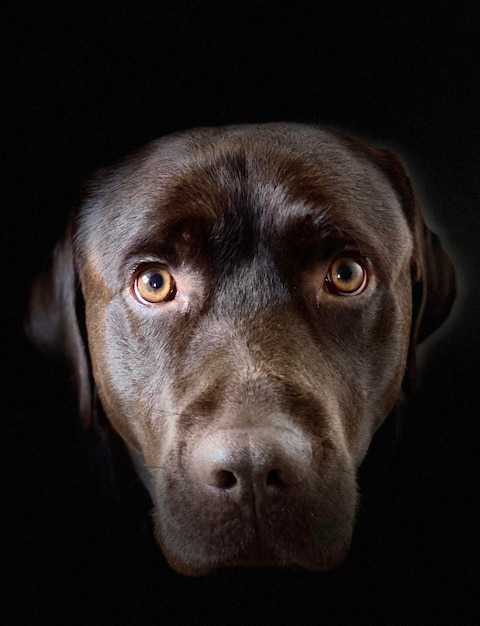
(253, 298)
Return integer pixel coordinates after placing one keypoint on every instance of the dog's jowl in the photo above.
(252, 297)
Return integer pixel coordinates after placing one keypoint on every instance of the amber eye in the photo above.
(346, 276)
(154, 284)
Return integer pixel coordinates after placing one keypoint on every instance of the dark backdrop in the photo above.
(85, 85)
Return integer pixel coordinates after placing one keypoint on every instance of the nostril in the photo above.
(225, 479)
(250, 463)
(274, 479)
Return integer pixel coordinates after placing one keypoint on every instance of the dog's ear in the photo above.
(434, 282)
(52, 322)
(432, 272)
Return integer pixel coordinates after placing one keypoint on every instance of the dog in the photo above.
(244, 304)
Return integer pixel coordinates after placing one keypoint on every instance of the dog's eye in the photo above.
(154, 284)
(346, 276)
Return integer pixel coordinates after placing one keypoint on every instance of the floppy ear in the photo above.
(432, 272)
(52, 322)
(434, 281)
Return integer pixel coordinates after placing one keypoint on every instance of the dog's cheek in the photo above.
(120, 363)
(136, 370)
(368, 351)
(392, 335)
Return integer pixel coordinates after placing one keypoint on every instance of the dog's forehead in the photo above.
(280, 172)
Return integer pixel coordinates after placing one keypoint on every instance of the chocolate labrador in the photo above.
(252, 298)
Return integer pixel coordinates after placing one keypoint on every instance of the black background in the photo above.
(86, 84)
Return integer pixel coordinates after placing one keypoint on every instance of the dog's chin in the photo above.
(319, 559)
(257, 556)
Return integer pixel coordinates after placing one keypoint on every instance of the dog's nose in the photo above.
(256, 461)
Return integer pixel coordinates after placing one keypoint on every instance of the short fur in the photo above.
(248, 401)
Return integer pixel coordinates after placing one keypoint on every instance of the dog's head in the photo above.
(253, 297)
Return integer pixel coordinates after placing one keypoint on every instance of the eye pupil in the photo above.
(344, 273)
(156, 281)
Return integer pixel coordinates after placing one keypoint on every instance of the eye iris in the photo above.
(347, 276)
(155, 285)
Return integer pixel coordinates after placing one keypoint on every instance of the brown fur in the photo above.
(249, 400)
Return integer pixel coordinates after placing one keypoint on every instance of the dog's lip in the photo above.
(257, 555)
(325, 548)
